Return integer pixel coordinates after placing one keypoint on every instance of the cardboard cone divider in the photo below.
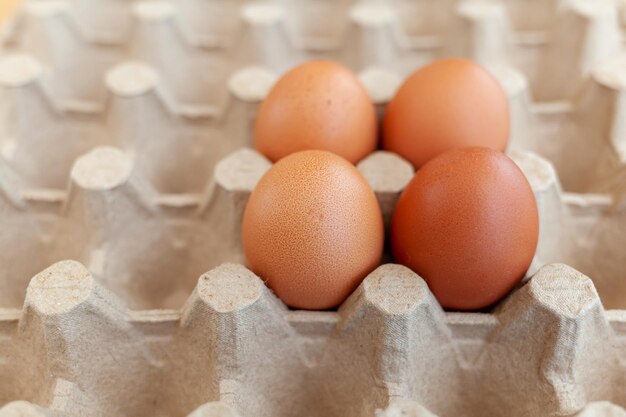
(125, 135)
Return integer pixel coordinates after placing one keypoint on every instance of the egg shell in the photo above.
(448, 104)
(313, 229)
(468, 224)
(317, 105)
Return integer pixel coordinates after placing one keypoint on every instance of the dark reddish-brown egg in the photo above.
(468, 224)
(448, 104)
(317, 105)
(313, 229)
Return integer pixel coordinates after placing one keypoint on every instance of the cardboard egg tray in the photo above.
(125, 129)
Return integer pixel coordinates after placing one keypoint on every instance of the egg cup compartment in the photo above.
(554, 44)
(101, 83)
(146, 108)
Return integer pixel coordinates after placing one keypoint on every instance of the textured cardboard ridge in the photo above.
(398, 409)
(550, 348)
(413, 409)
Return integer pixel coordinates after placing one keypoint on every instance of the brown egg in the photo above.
(313, 229)
(468, 224)
(317, 105)
(448, 104)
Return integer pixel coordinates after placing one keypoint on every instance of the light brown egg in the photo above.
(468, 224)
(317, 105)
(313, 229)
(448, 104)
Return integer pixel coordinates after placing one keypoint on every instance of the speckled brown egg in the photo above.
(313, 229)
(468, 224)
(448, 104)
(317, 105)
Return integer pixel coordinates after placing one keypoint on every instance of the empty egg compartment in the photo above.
(508, 37)
(554, 44)
(175, 148)
(97, 63)
(147, 247)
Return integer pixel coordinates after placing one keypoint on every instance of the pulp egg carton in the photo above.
(125, 138)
